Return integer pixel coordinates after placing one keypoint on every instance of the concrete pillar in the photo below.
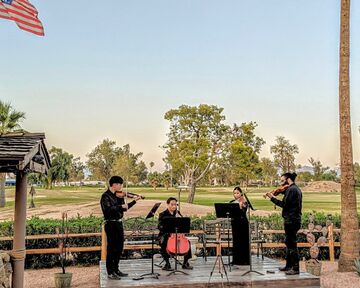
(18, 252)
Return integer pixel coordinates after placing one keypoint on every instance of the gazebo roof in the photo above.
(23, 151)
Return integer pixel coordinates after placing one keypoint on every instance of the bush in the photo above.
(37, 226)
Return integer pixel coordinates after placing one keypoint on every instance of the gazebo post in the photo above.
(18, 252)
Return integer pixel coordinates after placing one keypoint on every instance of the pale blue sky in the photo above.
(112, 69)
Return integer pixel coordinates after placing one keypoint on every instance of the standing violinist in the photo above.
(291, 205)
(113, 207)
(240, 230)
(171, 211)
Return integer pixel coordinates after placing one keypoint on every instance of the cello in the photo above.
(177, 243)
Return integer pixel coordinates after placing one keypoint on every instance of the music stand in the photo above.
(228, 211)
(151, 274)
(249, 218)
(176, 225)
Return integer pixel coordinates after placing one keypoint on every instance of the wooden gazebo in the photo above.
(21, 153)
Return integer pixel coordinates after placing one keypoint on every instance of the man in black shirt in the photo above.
(171, 211)
(292, 205)
(113, 207)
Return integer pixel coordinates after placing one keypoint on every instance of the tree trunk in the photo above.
(2, 190)
(349, 221)
(191, 191)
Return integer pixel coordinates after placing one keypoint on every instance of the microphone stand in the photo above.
(250, 261)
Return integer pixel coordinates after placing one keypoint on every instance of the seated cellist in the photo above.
(171, 211)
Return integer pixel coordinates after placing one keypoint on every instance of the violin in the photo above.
(134, 195)
(177, 243)
(131, 194)
(278, 191)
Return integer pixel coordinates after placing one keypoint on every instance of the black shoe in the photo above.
(167, 267)
(121, 274)
(187, 266)
(292, 271)
(285, 268)
(114, 276)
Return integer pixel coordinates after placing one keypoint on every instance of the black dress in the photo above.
(240, 232)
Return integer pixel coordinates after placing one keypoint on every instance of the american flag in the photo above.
(23, 13)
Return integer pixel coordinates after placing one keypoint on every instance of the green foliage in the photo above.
(155, 179)
(107, 159)
(61, 166)
(101, 160)
(195, 137)
(304, 177)
(77, 170)
(9, 118)
(130, 166)
(268, 170)
(318, 168)
(37, 226)
(357, 173)
(284, 154)
(357, 266)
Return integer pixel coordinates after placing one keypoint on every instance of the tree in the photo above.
(284, 154)
(195, 137)
(155, 179)
(304, 177)
(357, 173)
(330, 175)
(101, 160)
(350, 245)
(77, 170)
(268, 170)
(129, 165)
(9, 122)
(318, 168)
(244, 162)
(61, 165)
(151, 164)
(166, 179)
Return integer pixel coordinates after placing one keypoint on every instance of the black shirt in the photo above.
(291, 204)
(111, 206)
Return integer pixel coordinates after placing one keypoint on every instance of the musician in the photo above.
(240, 230)
(113, 207)
(291, 205)
(171, 211)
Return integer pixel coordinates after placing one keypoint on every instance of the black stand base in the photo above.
(177, 271)
(250, 271)
(221, 268)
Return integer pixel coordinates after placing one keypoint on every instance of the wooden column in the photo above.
(103, 243)
(331, 242)
(18, 252)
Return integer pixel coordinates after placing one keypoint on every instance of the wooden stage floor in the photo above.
(199, 276)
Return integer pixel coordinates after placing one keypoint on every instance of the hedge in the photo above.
(36, 226)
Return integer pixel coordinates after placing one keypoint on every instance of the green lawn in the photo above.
(326, 202)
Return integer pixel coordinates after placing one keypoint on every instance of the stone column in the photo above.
(18, 252)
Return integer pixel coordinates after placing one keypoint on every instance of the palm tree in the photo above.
(9, 122)
(349, 220)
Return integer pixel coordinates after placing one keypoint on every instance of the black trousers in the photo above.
(163, 239)
(115, 245)
(292, 253)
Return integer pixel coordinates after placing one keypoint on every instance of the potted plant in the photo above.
(63, 279)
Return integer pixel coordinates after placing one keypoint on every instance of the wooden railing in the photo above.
(331, 244)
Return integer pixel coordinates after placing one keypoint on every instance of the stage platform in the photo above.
(199, 276)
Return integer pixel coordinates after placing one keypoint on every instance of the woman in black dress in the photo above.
(240, 230)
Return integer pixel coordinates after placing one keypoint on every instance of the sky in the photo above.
(112, 69)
